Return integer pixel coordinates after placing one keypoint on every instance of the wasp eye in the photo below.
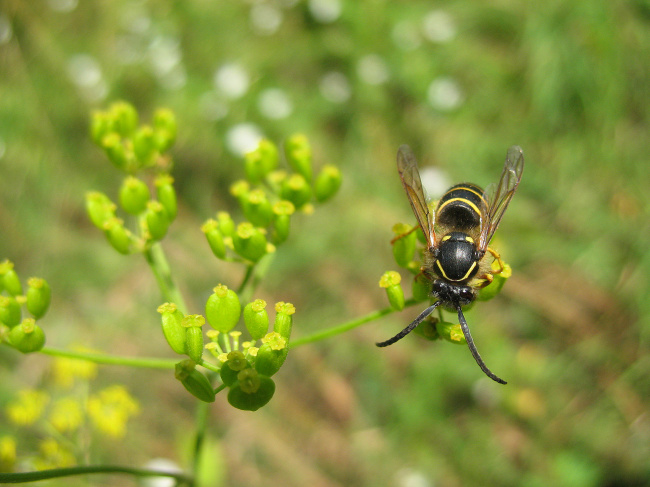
(466, 294)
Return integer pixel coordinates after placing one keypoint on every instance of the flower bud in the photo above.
(451, 332)
(239, 189)
(223, 309)
(494, 288)
(211, 230)
(38, 296)
(165, 128)
(271, 355)
(256, 319)
(115, 151)
(118, 236)
(404, 247)
(284, 319)
(427, 329)
(101, 124)
(194, 336)
(175, 334)
(194, 381)
(10, 312)
(234, 365)
(327, 183)
(100, 208)
(257, 208)
(134, 195)
(421, 288)
(251, 391)
(166, 194)
(226, 224)
(27, 336)
(10, 280)
(282, 211)
(145, 146)
(261, 161)
(157, 220)
(298, 153)
(124, 118)
(249, 242)
(275, 179)
(391, 282)
(296, 190)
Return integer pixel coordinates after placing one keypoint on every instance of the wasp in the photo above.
(457, 258)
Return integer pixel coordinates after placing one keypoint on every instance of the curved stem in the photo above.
(156, 259)
(19, 478)
(100, 358)
(348, 325)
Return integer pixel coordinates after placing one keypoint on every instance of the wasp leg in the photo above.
(402, 235)
(497, 257)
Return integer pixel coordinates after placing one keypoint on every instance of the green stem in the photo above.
(155, 257)
(202, 409)
(348, 325)
(254, 274)
(99, 358)
(19, 478)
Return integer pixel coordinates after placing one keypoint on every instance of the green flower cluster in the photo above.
(268, 198)
(245, 368)
(22, 333)
(150, 197)
(409, 256)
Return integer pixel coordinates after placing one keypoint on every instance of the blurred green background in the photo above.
(459, 81)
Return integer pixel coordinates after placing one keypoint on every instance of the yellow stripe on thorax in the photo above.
(442, 271)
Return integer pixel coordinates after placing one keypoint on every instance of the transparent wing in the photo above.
(497, 196)
(410, 176)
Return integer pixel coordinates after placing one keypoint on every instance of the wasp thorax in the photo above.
(456, 260)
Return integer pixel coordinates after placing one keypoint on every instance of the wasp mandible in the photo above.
(457, 256)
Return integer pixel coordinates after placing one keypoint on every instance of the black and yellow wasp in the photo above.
(457, 258)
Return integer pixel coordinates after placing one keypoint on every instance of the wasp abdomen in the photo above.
(460, 207)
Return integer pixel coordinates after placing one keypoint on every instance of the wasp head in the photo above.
(452, 295)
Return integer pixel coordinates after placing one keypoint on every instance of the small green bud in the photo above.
(100, 208)
(211, 230)
(494, 288)
(226, 224)
(421, 288)
(327, 183)
(223, 309)
(282, 211)
(124, 118)
(251, 391)
(145, 146)
(165, 128)
(275, 179)
(391, 282)
(38, 296)
(256, 319)
(175, 334)
(118, 236)
(249, 242)
(257, 208)
(269, 358)
(451, 332)
(10, 280)
(134, 195)
(194, 381)
(404, 247)
(239, 189)
(284, 319)
(427, 329)
(236, 363)
(296, 190)
(157, 220)
(115, 151)
(166, 194)
(27, 336)
(101, 124)
(194, 336)
(298, 152)
(10, 312)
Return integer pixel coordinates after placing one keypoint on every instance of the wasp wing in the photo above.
(497, 196)
(410, 176)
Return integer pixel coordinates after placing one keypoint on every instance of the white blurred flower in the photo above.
(6, 31)
(265, 19)
(335, 87)
(212, 107)
(85, 72)
(243, 138)
(445, 94)
(63, 5)
(435, 181)
(163, 465)
(406, 36)
(438, 26)
(325, 11)
(274, 103)
(232, 80)
(372, 69)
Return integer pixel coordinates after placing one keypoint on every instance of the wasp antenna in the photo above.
(410, 327)
(472, 347)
